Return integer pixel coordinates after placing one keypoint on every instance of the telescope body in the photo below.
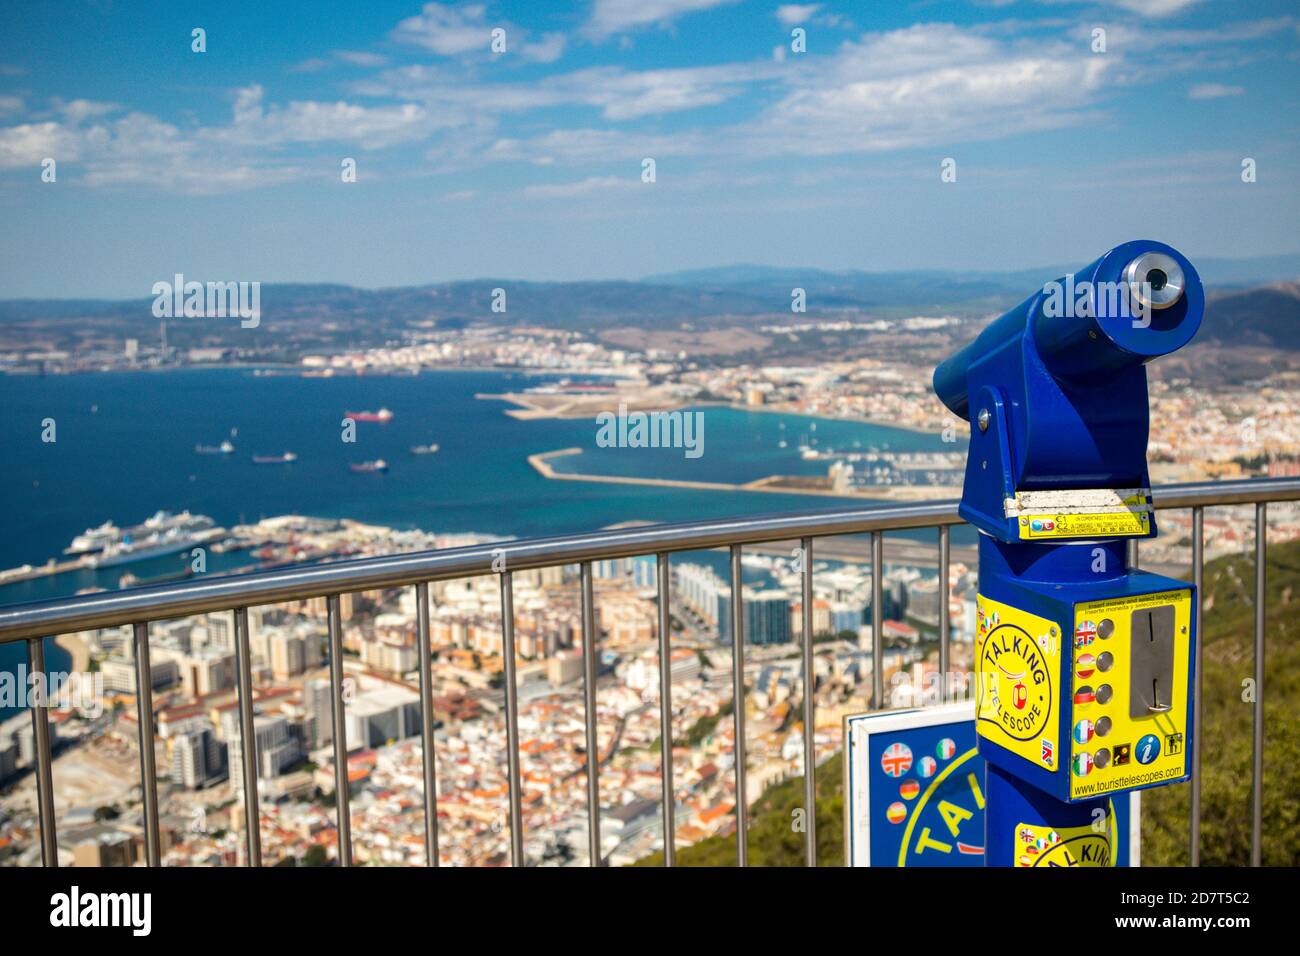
(1056, 393)
(1083, 665)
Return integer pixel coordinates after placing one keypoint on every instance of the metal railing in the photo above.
(138, 606)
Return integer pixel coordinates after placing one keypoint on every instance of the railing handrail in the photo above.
(179, 599)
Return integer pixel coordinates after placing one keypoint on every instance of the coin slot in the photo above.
(1151, 662)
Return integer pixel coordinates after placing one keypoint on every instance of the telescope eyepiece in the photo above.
(1155, 280)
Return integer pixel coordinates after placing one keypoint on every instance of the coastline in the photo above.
(771, 484)
(526, 409)
(77, 649)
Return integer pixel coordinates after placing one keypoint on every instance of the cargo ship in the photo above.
(368, 467)
(284, 459)
(381, 416)
(225, 448)
(428, 449)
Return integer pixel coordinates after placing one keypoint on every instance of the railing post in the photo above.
(248, 739)
(809, 708)
(426, 725)
(1257, 768)
(877, 620)
(738, 702)
(512, 719)
(666, 712)
(148, 773)
(589, 637)
(342, 795)
(1198, 579)
(945, 618)
(44, 758)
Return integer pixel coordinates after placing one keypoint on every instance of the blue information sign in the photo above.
(914, 791)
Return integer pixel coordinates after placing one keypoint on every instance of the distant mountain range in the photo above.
(1253, 302)
(1215, 273)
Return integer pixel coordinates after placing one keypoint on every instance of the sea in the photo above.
(124, 447)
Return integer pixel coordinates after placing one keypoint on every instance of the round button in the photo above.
(1106, 628)
(1104, 694)
(1102, 727)
(1101, 758)
(1105, 661)
(1148, 748)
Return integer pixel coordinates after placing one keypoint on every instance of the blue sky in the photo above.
(527, 163)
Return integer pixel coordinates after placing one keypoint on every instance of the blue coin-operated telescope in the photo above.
(1083, 666)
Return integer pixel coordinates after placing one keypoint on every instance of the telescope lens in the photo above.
(1155, 280)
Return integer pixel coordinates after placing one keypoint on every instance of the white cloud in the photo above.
(311, 65)
(618, 94)
(358, 58)
(11, 104)
(583, 187)
(578, 146)
(1213, 91)
(136, 149)
(446, 30)
(1145, 8)
(932, 85)
(609, 17)
(29, 143)
(927, 85)
(362, 58)
(1153, 8)
(546, 50)
(110, 147)
(459, 30)
(792, 14)
(77, 110)
(370, 127)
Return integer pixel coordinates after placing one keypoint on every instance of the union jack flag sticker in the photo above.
(1085, 633)
(1049, 751)
(896, 760)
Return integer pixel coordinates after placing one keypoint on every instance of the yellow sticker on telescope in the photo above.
(1040, 845)
(1104, 525)
(1017, 665)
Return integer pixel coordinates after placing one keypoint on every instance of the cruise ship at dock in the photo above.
(163, 533)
